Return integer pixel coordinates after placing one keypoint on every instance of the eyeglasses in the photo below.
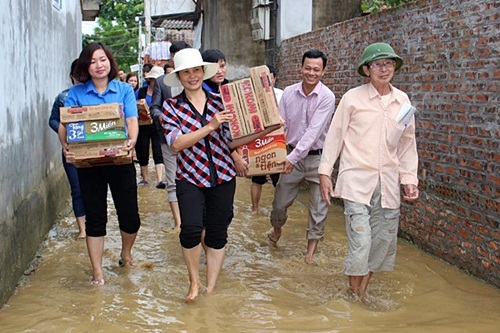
(377, 66)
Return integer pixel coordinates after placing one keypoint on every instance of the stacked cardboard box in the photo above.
(96, 134)
(254, 106)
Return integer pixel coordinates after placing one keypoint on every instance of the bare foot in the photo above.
(126, 263)
(255, 211)
(312, 245)
(274, 235)
(194, 289)
(98, 282)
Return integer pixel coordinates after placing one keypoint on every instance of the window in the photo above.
(57, 4)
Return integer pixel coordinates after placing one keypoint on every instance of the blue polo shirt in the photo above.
(117, 92)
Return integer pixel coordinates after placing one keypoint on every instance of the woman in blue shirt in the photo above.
(96, 69)
(71, 172)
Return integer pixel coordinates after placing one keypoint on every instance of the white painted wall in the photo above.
(165, 7)
(38, 41)
(294, 18)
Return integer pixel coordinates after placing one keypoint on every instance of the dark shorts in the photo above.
(261, 180)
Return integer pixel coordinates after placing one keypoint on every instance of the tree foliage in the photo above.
(118, 30)
(374, 6)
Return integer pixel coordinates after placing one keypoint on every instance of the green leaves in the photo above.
(374, 6)
(118, 30)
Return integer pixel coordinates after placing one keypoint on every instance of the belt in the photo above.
(311, 152)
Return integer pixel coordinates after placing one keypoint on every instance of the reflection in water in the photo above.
(262, 288)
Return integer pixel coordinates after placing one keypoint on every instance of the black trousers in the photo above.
(123, 185)
(212, 205)
(148, 134)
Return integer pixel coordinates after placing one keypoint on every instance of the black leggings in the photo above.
(212, 204)
(148, 134)
(94, 183)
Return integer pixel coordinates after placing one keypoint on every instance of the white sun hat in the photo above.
(189, 58)
(155, 72)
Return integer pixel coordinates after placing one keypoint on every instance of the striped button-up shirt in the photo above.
(207, 163)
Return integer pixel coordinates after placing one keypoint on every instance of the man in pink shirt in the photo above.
(307, 108)
(374, 136)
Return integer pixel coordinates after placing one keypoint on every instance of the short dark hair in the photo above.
(177, 46)
(72, 70)
(272, 70)
(147, 67)
(213, 55)
(314, 54)
(81, 71)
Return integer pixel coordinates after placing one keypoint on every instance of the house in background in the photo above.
(248, 32)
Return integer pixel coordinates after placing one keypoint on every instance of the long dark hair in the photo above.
(81, 71)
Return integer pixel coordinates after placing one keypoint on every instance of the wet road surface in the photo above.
(262, 288)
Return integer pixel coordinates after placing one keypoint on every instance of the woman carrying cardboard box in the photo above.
(195, 126)
(96, 70)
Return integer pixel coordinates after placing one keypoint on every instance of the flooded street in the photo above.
(262, 288)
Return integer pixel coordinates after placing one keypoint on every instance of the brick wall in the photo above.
(452, 75)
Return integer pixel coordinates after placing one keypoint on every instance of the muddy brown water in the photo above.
(262, 288)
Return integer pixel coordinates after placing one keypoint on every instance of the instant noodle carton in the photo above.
(91, 112)
(96, 134)
(143, 112)
(252, 103)
(96, 130)
(266, 98)
(239, 99)
(265, 155)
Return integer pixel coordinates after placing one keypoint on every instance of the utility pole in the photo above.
(147, 21)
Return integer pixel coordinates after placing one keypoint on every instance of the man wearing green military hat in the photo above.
(373, 132)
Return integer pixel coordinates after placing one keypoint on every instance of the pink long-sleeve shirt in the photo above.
(306, 118)
(372, 146)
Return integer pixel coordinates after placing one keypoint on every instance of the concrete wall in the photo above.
(452, 75)
(326, 13)
(228, 28)
(39, 41)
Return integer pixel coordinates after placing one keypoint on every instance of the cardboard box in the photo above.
(96, 130)
(237, 125)
(143, 112)
(91, 112)
(265, 155)
(266, 98)
(103, 161)
(240, 99)
(98, 149)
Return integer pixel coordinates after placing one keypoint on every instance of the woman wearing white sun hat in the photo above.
(196, 127)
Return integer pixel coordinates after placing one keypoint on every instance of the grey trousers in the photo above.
(170, 162)
(287, 190)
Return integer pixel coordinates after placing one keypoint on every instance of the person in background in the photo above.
(195, 126)
(122, 75)
(158, 53)
(96, 70)
(160, 93)
(71, 171)
(213, 85)
(258, 181)
(149, 135)
(145, 70)
(307, 108)
(133, 80)
(377, 156)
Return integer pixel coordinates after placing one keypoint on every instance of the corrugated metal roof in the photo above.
(177, 24)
